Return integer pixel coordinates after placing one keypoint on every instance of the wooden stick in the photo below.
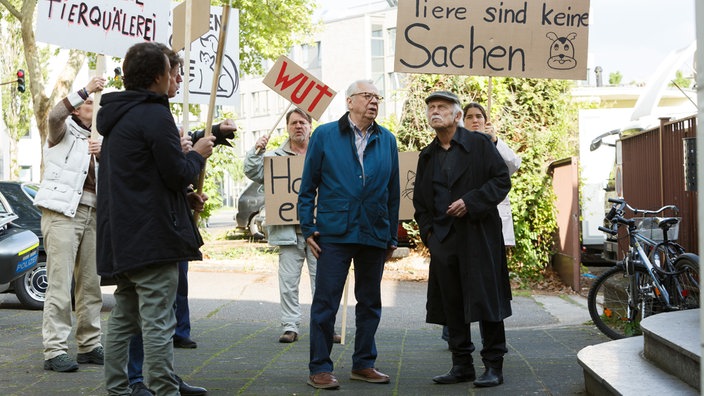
(214, 90)
(99, 71)
(187, 66)
(268, 135)
(490, 88)
(343, 325)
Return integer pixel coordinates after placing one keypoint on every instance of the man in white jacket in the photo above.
(67, 198)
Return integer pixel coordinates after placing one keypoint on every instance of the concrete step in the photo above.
(671, 342)
(665, 360)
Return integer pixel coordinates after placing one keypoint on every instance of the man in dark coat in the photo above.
(460, 180)
(144, 223)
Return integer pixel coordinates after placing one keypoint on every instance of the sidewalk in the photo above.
(234, 320)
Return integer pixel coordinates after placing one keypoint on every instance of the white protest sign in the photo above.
(203, 51)
(106, 27)
(510, 38)
(299, 87)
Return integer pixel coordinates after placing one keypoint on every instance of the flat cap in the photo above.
(444, 95)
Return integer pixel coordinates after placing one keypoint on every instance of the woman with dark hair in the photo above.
(475, 119)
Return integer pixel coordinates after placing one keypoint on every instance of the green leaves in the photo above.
(538, 121)
(269, 28)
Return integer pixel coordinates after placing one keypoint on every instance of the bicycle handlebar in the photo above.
(608, 230)
(619, 204)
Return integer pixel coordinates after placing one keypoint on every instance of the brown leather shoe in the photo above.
(288, 337)
(370, 375)
(323, 381)
(337, 339)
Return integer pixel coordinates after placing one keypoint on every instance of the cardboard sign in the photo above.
(203, 51)
(299, 87)
(200, 22)
(102, 26)
(407, 164)
(510, 38)
(282, 182)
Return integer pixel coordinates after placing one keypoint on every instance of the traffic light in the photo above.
(20, 80)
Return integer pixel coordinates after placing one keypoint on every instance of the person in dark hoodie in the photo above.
(145, 225)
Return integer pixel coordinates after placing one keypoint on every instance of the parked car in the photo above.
(19, 253)
(30, 289)
(250, 210)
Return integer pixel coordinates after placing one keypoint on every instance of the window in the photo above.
(25, 173)
(259, 102)
(310, 54)
(391, 39)
(377, 59)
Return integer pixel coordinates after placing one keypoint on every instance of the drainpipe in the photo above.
(599, 79)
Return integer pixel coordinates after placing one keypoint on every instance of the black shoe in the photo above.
(186, 343)
(139, 389)
(491, 377)
(189, 390)
(62, 363)
(456, 374)
(96, 356)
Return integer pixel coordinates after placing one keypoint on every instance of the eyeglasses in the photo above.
(369, 96)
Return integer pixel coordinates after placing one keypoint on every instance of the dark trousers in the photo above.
(183, 327)
(493, 344)
(183, 313)
(446, 266)
(333, 266)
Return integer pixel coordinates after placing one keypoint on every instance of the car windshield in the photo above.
(4, 207)
(30, 189)
(20, 197)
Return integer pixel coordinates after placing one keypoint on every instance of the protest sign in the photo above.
(102, 26)
(282, 182)
(509, 38)
(202, 59)
(199, 20)
(299, 87)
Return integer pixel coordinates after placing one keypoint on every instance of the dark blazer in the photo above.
(482, 185)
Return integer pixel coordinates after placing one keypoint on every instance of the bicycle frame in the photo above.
(645, 261)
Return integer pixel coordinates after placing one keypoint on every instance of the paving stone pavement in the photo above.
(235, 322)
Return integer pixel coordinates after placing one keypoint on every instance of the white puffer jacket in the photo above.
(66, 166)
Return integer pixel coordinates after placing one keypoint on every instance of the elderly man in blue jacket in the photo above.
(352, 168)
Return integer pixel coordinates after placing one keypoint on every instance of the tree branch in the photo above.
(14, 11)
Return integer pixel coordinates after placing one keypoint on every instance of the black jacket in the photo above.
(483, 273)
(143, 216)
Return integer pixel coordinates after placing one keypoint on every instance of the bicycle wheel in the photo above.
(615, 310)
(688, 281)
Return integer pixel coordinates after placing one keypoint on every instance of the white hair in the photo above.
(456, 108)
(352, 89)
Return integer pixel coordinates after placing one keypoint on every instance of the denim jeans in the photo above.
(333, 266)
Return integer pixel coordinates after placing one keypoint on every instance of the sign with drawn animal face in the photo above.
(202, 63)
(102, 26)
(509, 38)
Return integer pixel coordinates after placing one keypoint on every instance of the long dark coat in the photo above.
(482, 185)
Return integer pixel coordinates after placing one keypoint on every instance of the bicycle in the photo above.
(664, 279)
